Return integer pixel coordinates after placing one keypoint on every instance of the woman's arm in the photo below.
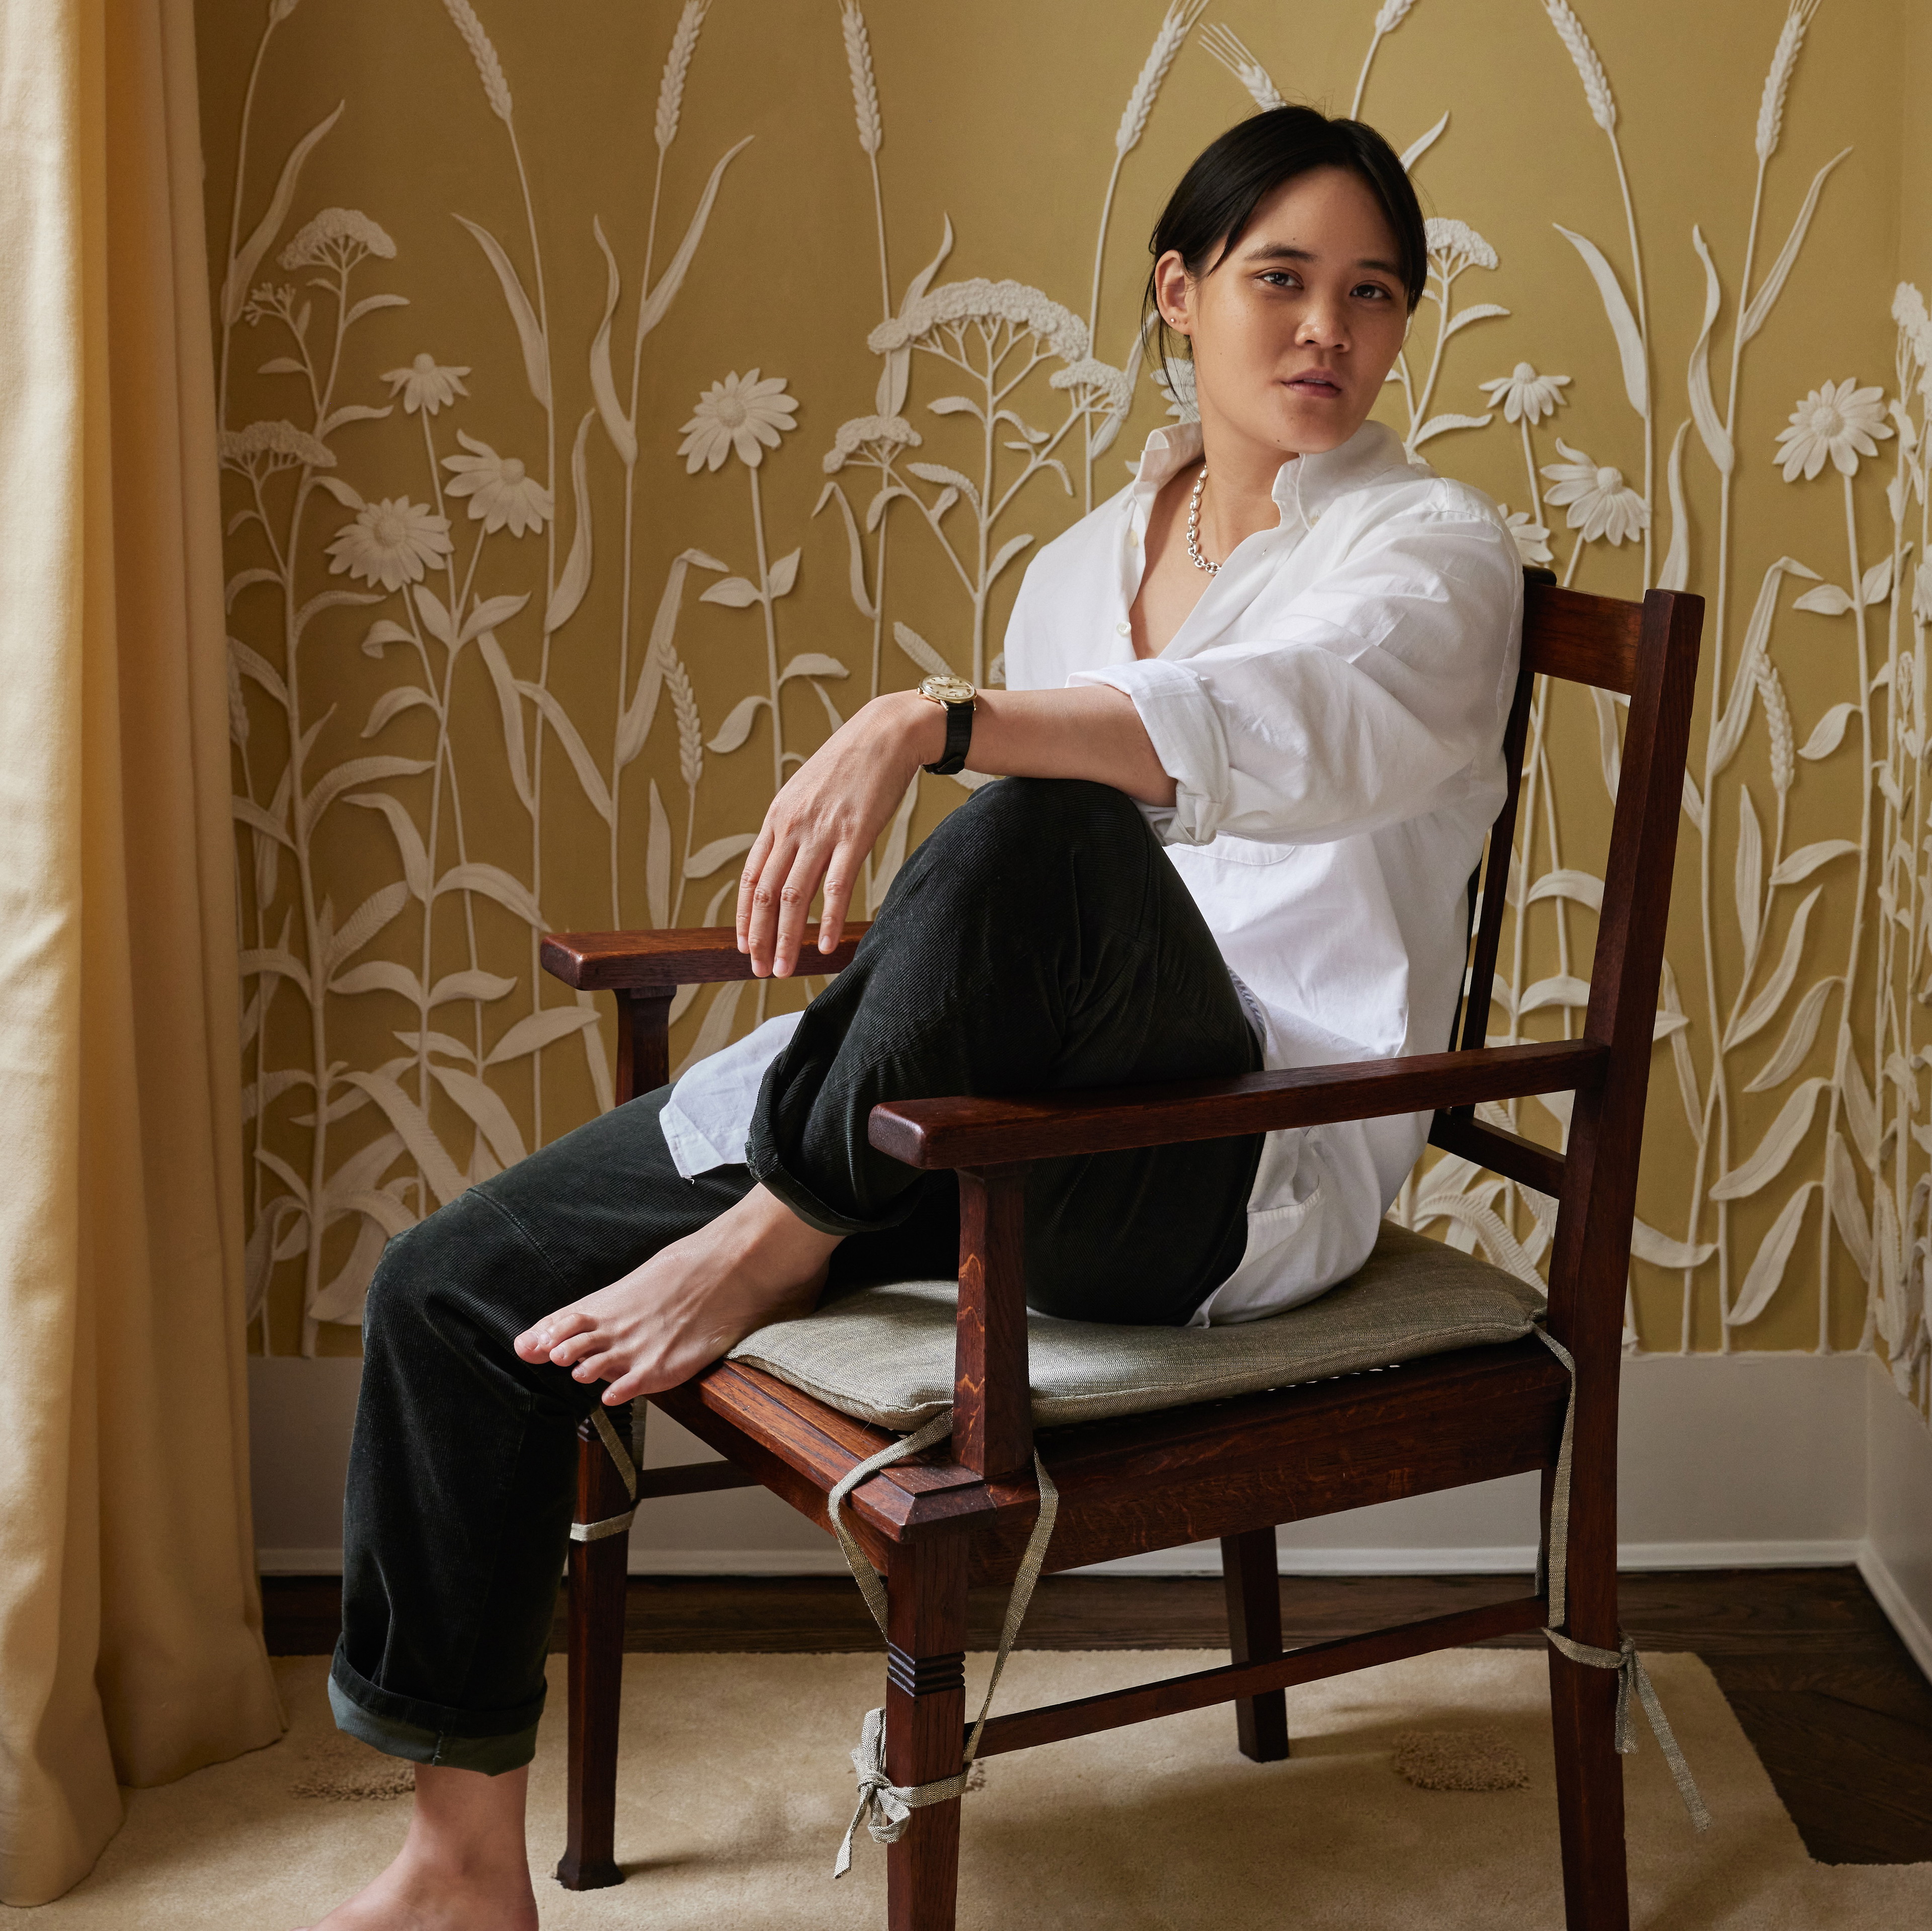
(829, 815)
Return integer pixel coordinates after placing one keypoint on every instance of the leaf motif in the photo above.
(1861, 1115)
(1703, 409)
(594, 1062)
(241, 580)
(581, 762)
(634, 728)
(1623, 323)
(280, 365)
(493, 882)
(1760, 1013)
(379, 976)
(327, 599)
(1736, 713)
(661, 298)
(1479, 311)
(248, 256)
(1766, 1273)
(391, 1216)
(1798, 1037)
(1748, 874)
(1774, 1151)
(530, 333)
(1609, 746)
(391, 701)
(349, 412)
(1564, 883)
(1803, 862)
(407, 1118)
(1694, 805)
(617, 425)
(1828, 600)
(951, 479)
(362, 925)
(1675, 572)
(489, 614)
(1827, 733)
(535, 1030)
(575, 579)
(812, 663)
(1760, 306)
(1877, 585)
(347, 494)
(783, 574)
(657, 861)
(250, 813)
(357, 771)
(703, 861)
(737, 727)
(854, 550)
(1006, 552)
(436, 619)
(369, 304)
(1563, 989)
(957, 405)
(921, 652)
(735, 593)
(1647, 1243)
(383, 631)
(1437, 425)
(715, 1029)
(511, 707)
(1848, 1211)
(1417, 148)
(485, 986)
(486, 1111)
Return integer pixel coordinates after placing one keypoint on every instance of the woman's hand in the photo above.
(822, 825)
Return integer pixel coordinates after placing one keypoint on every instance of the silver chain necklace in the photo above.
(1194, 555)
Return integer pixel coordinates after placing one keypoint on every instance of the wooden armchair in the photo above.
(1234, 1469)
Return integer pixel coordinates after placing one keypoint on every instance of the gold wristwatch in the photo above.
(955, 696)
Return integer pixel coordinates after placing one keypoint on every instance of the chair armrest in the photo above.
(937, 1133)
(660, 962)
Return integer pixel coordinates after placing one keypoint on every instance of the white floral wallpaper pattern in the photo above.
(538, 737)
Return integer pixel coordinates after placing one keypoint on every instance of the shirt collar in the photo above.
(1304, 486)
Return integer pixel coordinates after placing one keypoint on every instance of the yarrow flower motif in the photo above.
(744, 414)
(1102, 386)
(1454, 246)
(263, 448)
(389, 543)
(1600, 505)
(877, 435)
(1523, 396)
(426, 385)
(1532, 539)
(983, 300)
(500, 490)
(269, 300)
(1840, 421)
(338, 238)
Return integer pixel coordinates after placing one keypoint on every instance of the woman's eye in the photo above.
(1280, 278)
(1374, 290)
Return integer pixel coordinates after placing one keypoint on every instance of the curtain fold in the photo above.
(130, 1648)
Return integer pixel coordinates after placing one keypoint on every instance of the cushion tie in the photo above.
(884, 1807)
(614, 1447)
(1553, 1576)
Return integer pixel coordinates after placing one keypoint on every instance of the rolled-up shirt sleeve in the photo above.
(1353, 708)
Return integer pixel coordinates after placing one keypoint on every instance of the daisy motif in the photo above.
(740, 414)
(426, 385)
(1839, 421)
(500, 490)
(389, 543)
(1600, 504)
(1523, 396)
(1532, 540)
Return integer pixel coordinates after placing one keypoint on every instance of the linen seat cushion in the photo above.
(884, 1354)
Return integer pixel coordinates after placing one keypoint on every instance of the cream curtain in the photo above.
(130, 1645)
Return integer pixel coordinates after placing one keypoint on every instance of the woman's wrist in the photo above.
(917, 724)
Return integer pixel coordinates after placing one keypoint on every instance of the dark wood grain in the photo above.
(925, 1728)
(1497, 857)
(968, 1132)
(1587, 639)
(992, 1419)
(660, 962)
(1499, 1149)
(643, 1043)
(1253, 1587)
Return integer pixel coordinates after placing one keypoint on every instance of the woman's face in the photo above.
(1293, 333)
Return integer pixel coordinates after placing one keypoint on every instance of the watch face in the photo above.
(946, 690)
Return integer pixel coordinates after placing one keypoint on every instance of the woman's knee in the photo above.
(1022, 827)
(437, 1272)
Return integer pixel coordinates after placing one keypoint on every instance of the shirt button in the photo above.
(1134, 538)
(1125, 630)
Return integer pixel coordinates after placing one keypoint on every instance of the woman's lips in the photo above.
(1314, 385)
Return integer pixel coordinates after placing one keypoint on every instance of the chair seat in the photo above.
(884, 1354)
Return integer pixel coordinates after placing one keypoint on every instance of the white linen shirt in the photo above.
(1331, 712)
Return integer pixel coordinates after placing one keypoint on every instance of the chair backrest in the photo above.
(1648, 653)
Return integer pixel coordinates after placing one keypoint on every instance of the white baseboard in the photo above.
(1900, 1611)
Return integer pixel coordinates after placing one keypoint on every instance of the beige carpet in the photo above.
(735, 1787)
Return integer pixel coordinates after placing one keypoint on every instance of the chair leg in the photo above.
(596, 1620)
(1253, 1583)
(1589, 1796)
(925, 1718)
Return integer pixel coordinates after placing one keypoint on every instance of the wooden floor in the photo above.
(1830, 1699)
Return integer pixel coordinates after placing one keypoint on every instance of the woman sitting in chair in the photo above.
(1251, 742)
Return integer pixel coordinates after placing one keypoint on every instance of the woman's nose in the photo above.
(1321, 327)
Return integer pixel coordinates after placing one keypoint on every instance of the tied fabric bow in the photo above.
(885, 1807)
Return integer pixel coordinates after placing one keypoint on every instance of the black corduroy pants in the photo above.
(1039, 939)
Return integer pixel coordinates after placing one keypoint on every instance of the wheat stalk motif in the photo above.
(677, 65)
(1589, 68)
(1176, 25)
(1777, 81)
(489, 68)
(1778, 721)
(865, 88)
(690, 728)
(1226, 46)
(1392, 15)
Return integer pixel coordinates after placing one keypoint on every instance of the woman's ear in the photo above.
(1173, 289)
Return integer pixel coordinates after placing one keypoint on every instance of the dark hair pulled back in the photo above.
(1210, 211)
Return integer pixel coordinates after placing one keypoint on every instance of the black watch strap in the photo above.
(958, 737)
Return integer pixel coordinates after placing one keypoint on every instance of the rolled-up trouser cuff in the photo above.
(400, 1726)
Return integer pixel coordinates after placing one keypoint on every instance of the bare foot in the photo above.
(688, 1305)
(463, 1867)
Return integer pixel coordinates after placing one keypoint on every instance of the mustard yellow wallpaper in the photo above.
(616, 395)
